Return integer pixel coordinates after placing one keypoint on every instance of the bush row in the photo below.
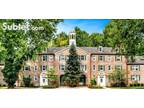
(136, 84)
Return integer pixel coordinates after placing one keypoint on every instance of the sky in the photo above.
(89, 25)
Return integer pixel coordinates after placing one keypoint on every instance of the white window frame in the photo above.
(135, 77)
(109, 58)
(43, 57)
(101, 68)
(94, 67)
(135, 67)
(27, 66)
(82, 57)
(62, 67)
(118, 58)
(109, 68)
(83, 67)
(93, 57)
(101, 58)
(35, 68)
(43, 68)
(35, 78)
(50, 57)
(62, 58)
(100, 49)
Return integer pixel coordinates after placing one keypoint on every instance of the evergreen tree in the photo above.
(72, 71)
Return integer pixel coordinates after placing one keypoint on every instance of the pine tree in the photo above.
(72, 70)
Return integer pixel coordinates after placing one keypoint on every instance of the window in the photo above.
(109, 67)
(82, 57)
(101, 58)
(100, 49)
(45, 49)
(93, 57)
(43, 80)
(35, 68)
(44, 57)
(135, 67)
(118, 67)
(101, 80)
(66, 57)
(117, 50)
(101, 67)
(26, 68)
(135, 77)
(51, 57)
(62, 67)
(62, 58)
(109, 58)
(118, 58)
(94, 67)
(83, 67)
(35, 78)
(44, 68)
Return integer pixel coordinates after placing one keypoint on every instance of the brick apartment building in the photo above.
(95, 62)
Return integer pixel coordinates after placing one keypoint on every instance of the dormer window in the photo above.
(117, 50)
(100, 49)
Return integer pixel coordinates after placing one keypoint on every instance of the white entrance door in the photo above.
(102, 81)
(43, 79)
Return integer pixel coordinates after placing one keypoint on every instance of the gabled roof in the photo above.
(95, 50)
(92, 50)
(138, 60)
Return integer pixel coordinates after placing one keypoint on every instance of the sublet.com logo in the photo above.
(24, 27)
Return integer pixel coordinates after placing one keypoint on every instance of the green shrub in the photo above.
(50, 86)
(27, 81)
(93, 82)
(94, 86)
(138, 84)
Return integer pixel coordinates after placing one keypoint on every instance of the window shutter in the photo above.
(98, 67)
(131, 67)
(85, 68)
(41, 57)
(46, 67)
(41, 68)
(29, 68)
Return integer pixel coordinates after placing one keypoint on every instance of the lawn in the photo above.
(127, 87)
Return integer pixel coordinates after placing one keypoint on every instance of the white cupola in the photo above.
(72, 38)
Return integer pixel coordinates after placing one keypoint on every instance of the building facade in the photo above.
(96, 62)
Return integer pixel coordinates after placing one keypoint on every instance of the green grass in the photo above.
(127, 87)
(3, 87)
